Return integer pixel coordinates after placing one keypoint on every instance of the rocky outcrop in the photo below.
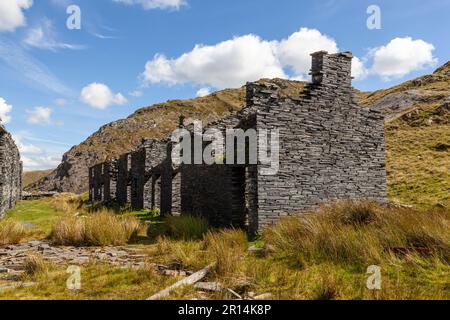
(396, 104)
(10, 172)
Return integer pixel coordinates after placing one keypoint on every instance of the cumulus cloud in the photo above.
(100, 96)
(233, 62)
(5, 108)
(296, 49)
(155, 4)
(39, 115)
(203, 92)
(226, 64)
(401, 56)
(247, 58)
(39, 163)
(11, 14)
(26, 148)
(359, 70)
(44, 37)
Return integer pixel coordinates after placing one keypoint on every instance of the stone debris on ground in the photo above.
(13, 257)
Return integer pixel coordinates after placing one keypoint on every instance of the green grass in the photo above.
(39, 213)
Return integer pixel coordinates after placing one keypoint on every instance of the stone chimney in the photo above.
(332, 69)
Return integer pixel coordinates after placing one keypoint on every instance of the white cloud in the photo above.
(401, 56)
(155, 4)
(226, 64)
(44, 37)
(100, 96)
(203, 92)
(40, 163)
(296, 49)
(5, 108)
(11, 14)
(247, 58)
(233, 62)
(39, 115)
(359, 70)
(26, 148)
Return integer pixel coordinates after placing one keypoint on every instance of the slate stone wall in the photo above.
(10, 172)
(330, 148)
(123, 187)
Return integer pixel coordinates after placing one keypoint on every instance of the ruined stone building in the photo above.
(329, 148)
(10, 172)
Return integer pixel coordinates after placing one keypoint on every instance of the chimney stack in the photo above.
(332, 69)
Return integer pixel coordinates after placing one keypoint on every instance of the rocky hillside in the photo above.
(31, 177)
(157, 121)
(417, 132)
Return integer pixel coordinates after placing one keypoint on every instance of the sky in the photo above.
(68, 67)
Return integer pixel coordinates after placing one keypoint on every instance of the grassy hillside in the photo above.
(31, 177)
(418, 139)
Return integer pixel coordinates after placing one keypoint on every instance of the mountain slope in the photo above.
(31, 177)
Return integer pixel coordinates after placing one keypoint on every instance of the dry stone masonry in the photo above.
(329, 148)
(10, 172)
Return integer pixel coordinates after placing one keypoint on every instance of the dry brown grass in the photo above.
(187, 255)
(360, 234)
(12, 232)
(98, 229)
(227, 248)
(35, 266)
(69, 203)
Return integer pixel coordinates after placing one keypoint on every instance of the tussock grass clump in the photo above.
(227, 248)
(360, 234)
(99, 229)
(186, 227)
(12, 232)
(35, 266)
(354, 213)
(67, 202)
(178, 254)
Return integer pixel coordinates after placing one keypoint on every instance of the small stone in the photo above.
(34, 243)
(208, 286)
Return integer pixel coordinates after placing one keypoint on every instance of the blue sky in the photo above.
(58, 86)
